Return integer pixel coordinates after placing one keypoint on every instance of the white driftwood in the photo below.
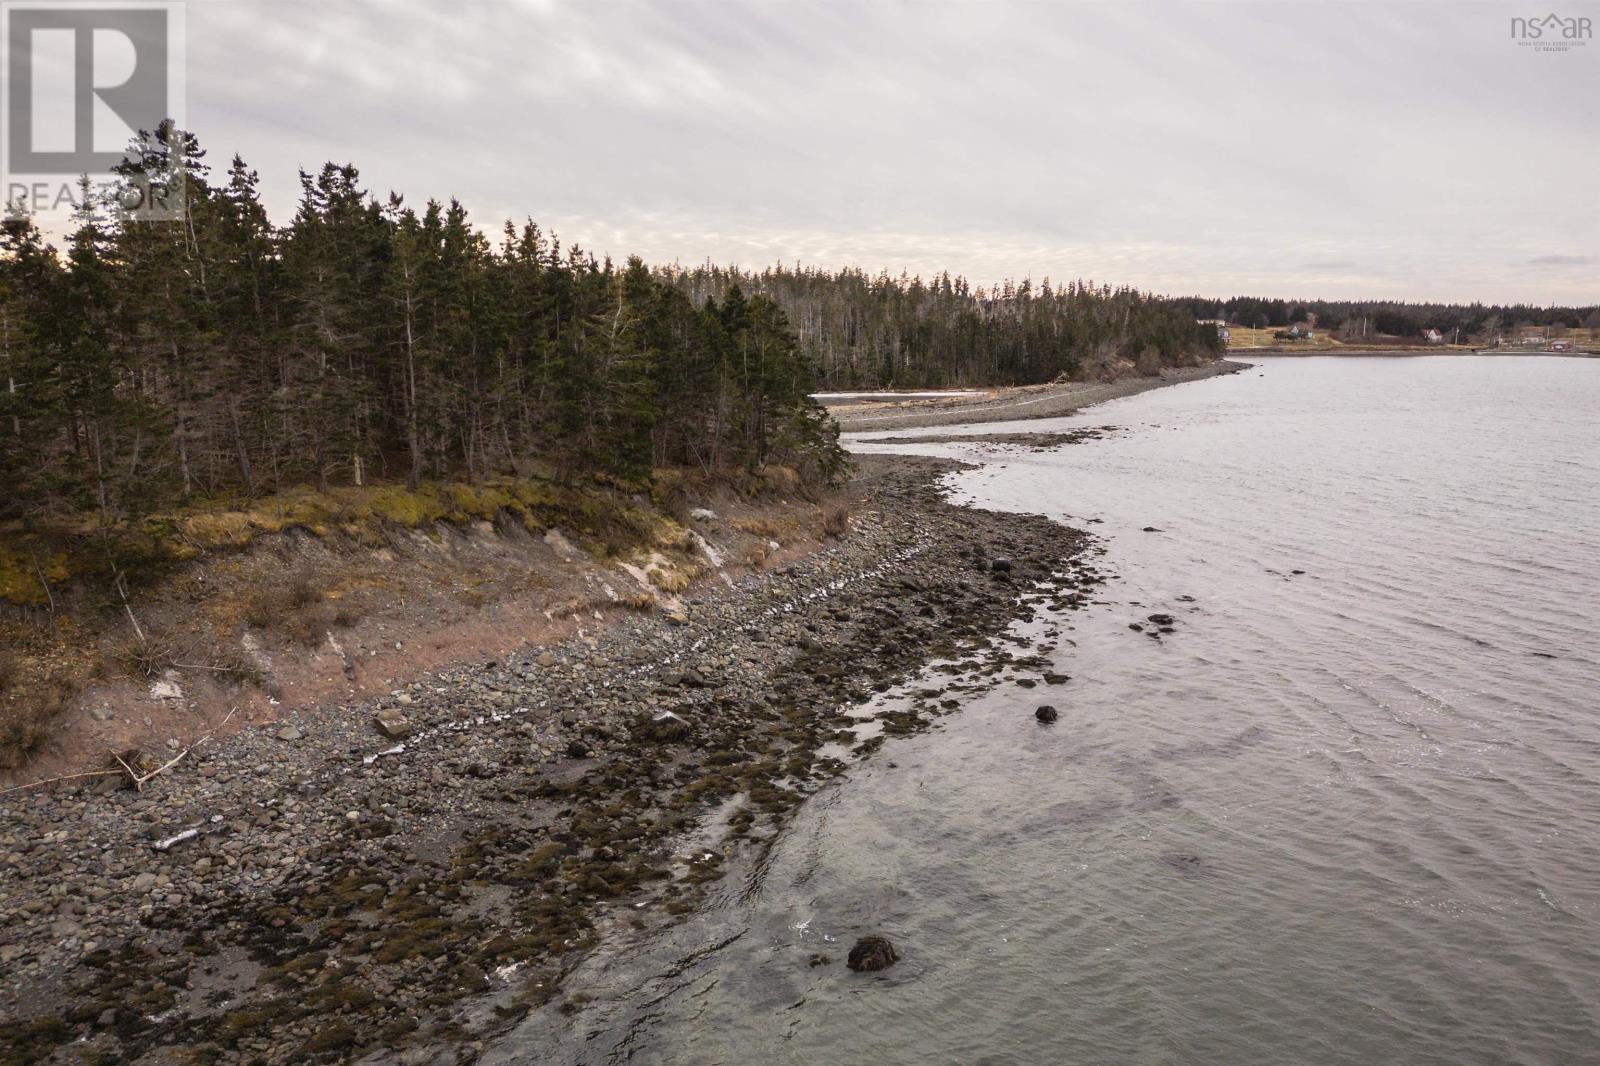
(187, 834)
(368, 760)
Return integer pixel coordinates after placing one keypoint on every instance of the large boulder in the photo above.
(392, 724)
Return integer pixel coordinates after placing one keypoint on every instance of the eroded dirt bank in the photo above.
(350, 601)
(327, 891)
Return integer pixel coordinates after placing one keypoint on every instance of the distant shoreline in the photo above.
(1016, 404)
(1399, 352)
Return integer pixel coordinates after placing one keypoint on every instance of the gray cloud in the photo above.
(1339, 149)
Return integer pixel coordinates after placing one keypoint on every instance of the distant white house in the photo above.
(1432, 336)
(1222, 327)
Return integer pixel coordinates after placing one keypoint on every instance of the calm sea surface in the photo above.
(1348, 815)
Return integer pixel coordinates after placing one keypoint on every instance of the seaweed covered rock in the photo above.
(662, 728)
(872, 953)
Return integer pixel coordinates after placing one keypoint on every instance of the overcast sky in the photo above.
(1287, 148)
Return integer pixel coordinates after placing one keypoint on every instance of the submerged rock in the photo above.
(872, 953)
(1046, 714)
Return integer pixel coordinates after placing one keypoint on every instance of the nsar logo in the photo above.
(1552, 33)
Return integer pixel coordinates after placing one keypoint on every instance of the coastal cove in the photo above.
(1343, 813)
(669, 534)
(1319, 786)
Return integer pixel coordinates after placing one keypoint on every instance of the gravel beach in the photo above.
(418, 872)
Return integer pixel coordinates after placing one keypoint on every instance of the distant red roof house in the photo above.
(1433, 336)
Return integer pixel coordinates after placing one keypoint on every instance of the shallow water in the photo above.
(1348, 815)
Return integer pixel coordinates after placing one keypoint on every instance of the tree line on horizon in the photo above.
(867, 331)
(1354, 319)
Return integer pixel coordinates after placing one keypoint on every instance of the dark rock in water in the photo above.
(1544, 655)
(1001, 566)
(1151, 529)
(819, 960)
(1057, 679)
(1046, 714)
(1297, 571)
(1136, 627)
(1161, 619)
(872, 953)
(1181, 861)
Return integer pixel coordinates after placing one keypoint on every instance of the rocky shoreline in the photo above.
(403, 879)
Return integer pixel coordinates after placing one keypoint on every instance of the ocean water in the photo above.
(1347, 812)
